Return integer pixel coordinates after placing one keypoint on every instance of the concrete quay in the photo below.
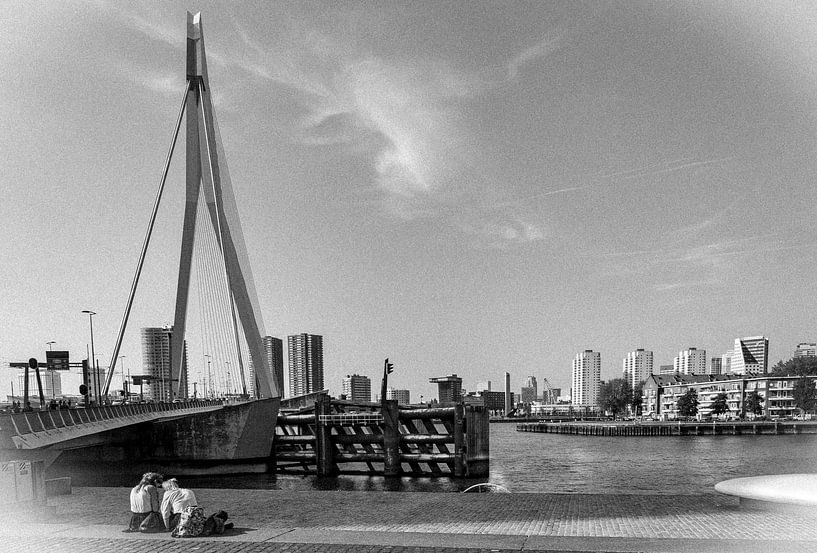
(91, 520)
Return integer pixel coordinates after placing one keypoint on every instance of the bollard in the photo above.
(391, 438)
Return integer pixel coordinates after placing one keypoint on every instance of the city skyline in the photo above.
(463, 190)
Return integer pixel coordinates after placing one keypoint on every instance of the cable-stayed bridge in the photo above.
(176, 428)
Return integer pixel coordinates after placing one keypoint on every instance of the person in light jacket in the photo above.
(174, 502)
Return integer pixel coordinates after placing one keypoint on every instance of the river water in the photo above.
(555, 463)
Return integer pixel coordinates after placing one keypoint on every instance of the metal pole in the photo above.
(93, 358)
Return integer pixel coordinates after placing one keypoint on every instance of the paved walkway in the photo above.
(92, 519)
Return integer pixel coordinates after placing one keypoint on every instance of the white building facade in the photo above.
(750, 356)
(690, 361)
(586, 379)
(637, 366)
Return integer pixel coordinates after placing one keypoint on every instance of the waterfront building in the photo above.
(403, 397)
(666, 369)
(586, 377)
(690, 361)
(449, 388)
(305, 352)
(661, 393)
(637, 366)
(750, 356)
(527, 394)
(274, 350)
(726, 363)
(806, 350)
(156, 359)
(715, 365)
(358, 388)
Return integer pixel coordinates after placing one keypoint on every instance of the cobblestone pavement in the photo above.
(91, 519)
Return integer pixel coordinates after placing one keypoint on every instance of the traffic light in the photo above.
(389, 366)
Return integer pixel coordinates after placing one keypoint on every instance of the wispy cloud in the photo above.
(541, 49)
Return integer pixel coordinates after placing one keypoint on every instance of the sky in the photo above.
(463, 187)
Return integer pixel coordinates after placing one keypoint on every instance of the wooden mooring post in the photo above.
(343, 438)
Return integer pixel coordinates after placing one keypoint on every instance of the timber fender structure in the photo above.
(736, 428)
(390, 441)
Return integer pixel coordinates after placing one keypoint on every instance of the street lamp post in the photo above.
(125, 390)
(51, 369)
(93, 359)
(209, 386)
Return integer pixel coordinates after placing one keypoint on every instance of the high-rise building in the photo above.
(530, 382)
(357, 388)
(403, 397)
(586, 378)
(750, 355)
(726, 363)
(527, 394)
(508, 398)
(449, 388)
(690, 361)
(305, 364)
(637, 366)
(274, 350)
(156, 360)
(806, 350)
(715, 365)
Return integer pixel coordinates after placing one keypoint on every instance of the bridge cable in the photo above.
(134, 284)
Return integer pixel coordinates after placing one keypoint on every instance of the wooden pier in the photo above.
(732, 428)
(338, 438)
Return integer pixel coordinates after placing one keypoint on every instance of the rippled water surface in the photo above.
(554, 463)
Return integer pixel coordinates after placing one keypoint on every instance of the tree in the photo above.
(719, 405)
(687, 404)
(615, 396)
(753, 403)
(638, 397)
(796, 366)
(804, 394)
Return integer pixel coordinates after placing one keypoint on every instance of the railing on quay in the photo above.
(35, 422)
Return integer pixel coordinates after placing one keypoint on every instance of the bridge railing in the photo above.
(30, 422)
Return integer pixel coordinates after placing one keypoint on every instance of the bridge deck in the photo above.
(38, 429)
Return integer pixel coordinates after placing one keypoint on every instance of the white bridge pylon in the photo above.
(206, 171)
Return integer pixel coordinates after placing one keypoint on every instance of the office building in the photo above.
(508, 398)
(305, 363)
(806, 350)
(586, 378)
(358, 388)
(750, 356)
(449, 388)
(403, 397)
(726, 363)
(637, 366)
(274, 350)
(715, 366)
(530, 382)
(157, 362)
(690, 361)
(527, 394)
(666, 369)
